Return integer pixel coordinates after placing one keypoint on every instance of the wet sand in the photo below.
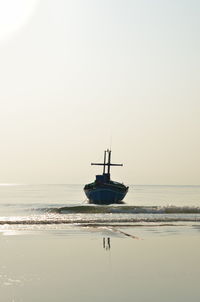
(73, 264)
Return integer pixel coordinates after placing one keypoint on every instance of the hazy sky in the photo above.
(77, 76)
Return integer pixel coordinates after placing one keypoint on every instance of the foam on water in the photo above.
(101, 218)
(91, 209)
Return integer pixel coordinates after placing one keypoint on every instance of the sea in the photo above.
(61, 205)
(57, 247)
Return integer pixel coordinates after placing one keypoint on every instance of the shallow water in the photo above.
(59, 265)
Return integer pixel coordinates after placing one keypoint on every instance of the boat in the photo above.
(103, 190)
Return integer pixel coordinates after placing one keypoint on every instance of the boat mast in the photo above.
(108, 164)
(104, 163)
(109, 160)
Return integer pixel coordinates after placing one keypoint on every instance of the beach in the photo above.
(83, 265)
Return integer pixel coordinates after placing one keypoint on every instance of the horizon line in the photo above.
(79, 184)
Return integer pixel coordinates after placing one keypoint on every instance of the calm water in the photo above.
(35, 205)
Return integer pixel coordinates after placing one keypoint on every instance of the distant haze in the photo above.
(77, 77)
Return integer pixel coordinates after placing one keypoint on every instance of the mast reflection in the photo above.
(106, 243)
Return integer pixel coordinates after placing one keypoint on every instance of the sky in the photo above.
(78, 77)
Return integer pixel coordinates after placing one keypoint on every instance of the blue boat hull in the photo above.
(104, 195)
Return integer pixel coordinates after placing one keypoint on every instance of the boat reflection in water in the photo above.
(106, 243)
(103, 190)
